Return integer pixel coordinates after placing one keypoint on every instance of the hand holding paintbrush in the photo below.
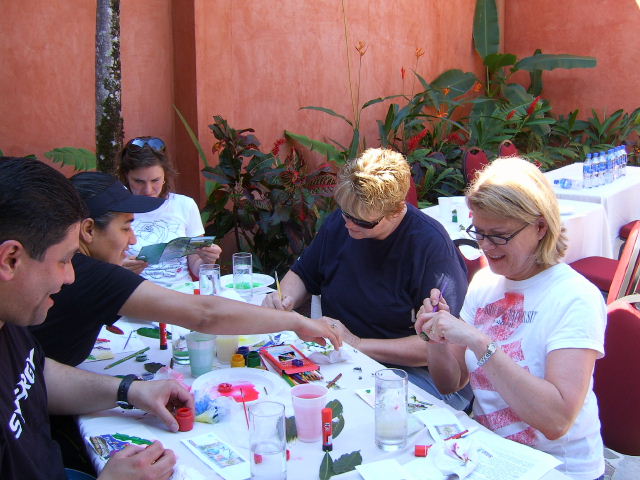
(435, 307)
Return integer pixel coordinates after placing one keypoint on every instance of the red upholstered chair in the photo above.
(624, 232)
(474, 159)
(616, 380)
(412, 194)
(618, 277)
(473, 265)
(507, 149)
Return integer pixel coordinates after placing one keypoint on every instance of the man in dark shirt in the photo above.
(40, 216)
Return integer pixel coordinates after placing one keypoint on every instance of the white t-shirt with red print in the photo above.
(177, 217)
(557, 308)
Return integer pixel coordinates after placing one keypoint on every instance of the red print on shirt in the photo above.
(500, 320)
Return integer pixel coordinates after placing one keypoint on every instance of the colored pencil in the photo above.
(333, 382)
(288, 379)
(278, 286)
(128, 357)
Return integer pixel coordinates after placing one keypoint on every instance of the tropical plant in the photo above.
(272, 207)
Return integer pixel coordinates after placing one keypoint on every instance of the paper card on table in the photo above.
(220, 456)
(107, 444)
(176, 248)
(368, 395)
(388, 469)
(441, 422)
(100, 351)
(497, 458)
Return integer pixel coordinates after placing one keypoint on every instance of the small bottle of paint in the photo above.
(254, 360)
(185, 419)
(237, 360)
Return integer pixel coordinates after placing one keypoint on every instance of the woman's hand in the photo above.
(209, 254)
(136, 266)
(442, 327)
(344, 333)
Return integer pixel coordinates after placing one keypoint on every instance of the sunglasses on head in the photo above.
(361, 223)
(139, 143)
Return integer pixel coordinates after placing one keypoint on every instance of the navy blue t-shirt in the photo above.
(372, 285)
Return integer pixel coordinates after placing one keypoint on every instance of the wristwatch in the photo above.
(491, 349)
(123, 390)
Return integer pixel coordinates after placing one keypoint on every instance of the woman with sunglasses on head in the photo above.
(373, 262)
(532, 327)
(146, 170)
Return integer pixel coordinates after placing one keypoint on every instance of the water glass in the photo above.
(179, 348)
(226, 346)
(209, 274)
(391, 409)
(202, 347)
(268, 441)
(308, 401)
(243, 274)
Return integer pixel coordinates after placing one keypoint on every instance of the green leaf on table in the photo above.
(151, 332)
(337, 426)
(291, 432)
(346, 462)
(336, 407)
(326, 467)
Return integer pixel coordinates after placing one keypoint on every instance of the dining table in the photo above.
(586, 227)
(355, 382)
(618, 198)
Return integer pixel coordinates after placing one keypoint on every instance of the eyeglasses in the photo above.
(495, 239)
(155, 143)
(361, 223)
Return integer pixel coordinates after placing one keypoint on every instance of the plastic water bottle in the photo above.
(587, 171)
(608, 173)
(595, 169)
(602, 168)
(568, 183)
(623, 163)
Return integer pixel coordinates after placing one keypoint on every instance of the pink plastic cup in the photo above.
(308, 401)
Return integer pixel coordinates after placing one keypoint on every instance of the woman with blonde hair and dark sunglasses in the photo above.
(145, 169)
(373, 262)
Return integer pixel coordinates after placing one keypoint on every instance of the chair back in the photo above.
(474, 159)
(626, 280)
(472, 264)
(615, 381)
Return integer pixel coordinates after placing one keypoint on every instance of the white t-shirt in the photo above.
(178, 216)
(557, 308)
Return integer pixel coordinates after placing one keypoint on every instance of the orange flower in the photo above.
(477, 87)
(419, 52)
(403, 73)
(446, 91)
(361, 47)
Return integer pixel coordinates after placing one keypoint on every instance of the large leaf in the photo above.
(498, 60)
(326, 467)
(78, 158)
(330, 112)
(457, 81)
(486, 30)
(547, 61)
(517, 95)
(192, 136)
(378, 100)
(347, 462)
(323, 148)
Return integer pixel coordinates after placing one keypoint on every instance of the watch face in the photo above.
(125, 405)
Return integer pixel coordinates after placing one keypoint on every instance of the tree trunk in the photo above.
(109, 122)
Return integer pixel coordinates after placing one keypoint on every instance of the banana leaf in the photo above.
(323, 148)
(486, 29)
(457, 81)
(547, 61)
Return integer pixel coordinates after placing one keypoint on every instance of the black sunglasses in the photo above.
(154, 143)
(361, 223)
(495, 239)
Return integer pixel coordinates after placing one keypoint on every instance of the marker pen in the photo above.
(327, 429)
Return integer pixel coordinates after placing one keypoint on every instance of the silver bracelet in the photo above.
(491, 349)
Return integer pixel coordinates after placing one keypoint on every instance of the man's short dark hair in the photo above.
(37, 204)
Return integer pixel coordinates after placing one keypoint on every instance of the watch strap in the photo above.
(122, 399)
(491, 349)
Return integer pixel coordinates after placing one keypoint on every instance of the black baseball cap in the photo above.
(118, 198)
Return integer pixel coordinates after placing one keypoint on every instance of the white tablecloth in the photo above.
(585, 223)
(358, 433)
(619, 198)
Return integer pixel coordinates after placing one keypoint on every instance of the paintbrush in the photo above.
(278, 286)
(436, 308)
(127, 342)
(244, 405)
(333, 382)
(128, 357)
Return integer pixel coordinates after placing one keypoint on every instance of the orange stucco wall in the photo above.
(605, 29)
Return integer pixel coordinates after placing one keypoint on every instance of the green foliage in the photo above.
(78, 158)
(273, 207)
(291, 431)
(346, 463)
(338, 419)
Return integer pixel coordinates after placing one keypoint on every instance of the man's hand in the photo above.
(344, 333)
(136, 266)
(139, 463)
(273, 301)
(162, 398)
(317, 330)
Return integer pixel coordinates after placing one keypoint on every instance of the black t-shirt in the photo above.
(373, 285)
(26, 448)
(82, 308)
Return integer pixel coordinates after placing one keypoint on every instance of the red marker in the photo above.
(457, 435)
(327, 429)
(163, 336)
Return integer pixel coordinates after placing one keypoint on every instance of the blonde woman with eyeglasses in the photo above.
(531, 329)
(145, 169)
